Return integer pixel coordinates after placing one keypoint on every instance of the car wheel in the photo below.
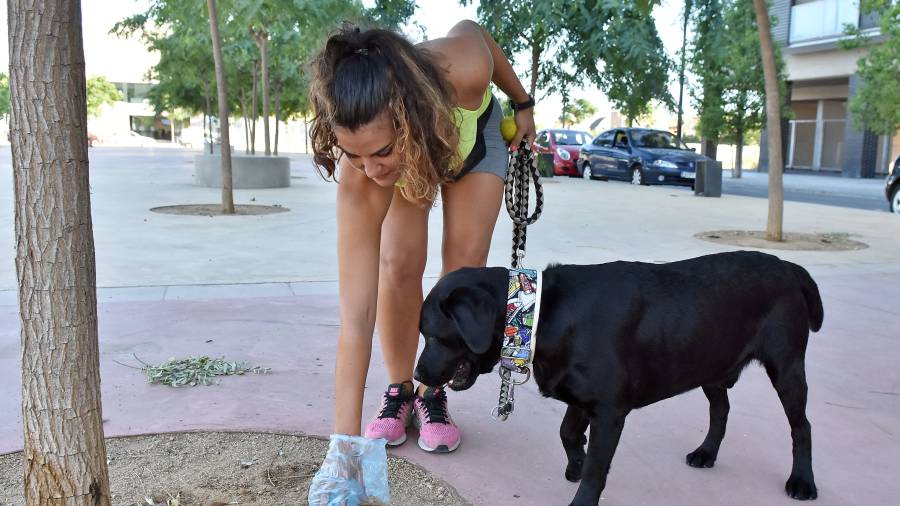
(895, 200)
(586, 171)
(637, 176)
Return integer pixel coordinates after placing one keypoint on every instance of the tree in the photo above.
(100, 92)
(179, 32)
(607, 42)
(65, 453)
(775, 220)
(636, 68)
(681, 68)
(227, 194)
(576, 112)
(707, 63)
(876, 105)
(743, 83)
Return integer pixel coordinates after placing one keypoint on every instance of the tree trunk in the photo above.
(227, 194)
(65, 453)
(277, 119)
(305, 134)
(535, 66)
(253, 107)
(629, 121)
(773, 124)
(261, 37)
(739, 154)
(687, 13)
(246, 123)
(206, 95)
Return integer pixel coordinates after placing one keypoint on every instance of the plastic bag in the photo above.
(354, 472)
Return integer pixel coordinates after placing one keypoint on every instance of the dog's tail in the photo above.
(811, 293)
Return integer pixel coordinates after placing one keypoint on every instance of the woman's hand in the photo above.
(524, 128)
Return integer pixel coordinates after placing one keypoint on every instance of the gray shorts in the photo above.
(496, 156)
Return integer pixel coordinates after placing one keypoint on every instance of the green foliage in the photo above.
(576, 111)
(100, 92)
(726, 58)
(196, 371)
(293, 29)
(4, 94)
(611, 43)
(876, 105)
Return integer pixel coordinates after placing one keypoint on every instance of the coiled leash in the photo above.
(521, 173)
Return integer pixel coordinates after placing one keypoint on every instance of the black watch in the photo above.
(521, 106)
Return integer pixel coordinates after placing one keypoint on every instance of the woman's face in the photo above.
(370, 149)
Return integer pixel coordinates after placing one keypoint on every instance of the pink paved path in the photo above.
(854, 402)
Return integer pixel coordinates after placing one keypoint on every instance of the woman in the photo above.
(394, 124)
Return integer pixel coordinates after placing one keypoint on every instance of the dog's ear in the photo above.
(470, 309)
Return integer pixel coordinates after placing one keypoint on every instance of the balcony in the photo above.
(822, 19)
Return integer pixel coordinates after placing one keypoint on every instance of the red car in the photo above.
(564, 145)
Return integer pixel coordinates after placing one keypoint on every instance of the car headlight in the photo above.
(663, 164)
(563, 154)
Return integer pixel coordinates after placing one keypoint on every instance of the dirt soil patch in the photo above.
(216, 210)
(203, 468)
(792, 241)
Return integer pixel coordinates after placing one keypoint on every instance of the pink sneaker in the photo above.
(437, 432)
(393, 417)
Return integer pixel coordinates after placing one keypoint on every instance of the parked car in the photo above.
(892, 187)
(564, 145)
(640, 155)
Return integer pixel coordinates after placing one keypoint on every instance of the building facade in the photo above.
(822, 79)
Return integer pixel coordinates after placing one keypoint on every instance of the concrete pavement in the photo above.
(263, 289)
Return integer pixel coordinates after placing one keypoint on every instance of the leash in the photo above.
(521, 173)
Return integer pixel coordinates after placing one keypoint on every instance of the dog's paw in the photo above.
(700, 458)
(573, 470)
(801, 488)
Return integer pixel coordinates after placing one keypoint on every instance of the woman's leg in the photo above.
(471, 207)
(404, 245)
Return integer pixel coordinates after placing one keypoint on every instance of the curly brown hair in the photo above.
(359, 74)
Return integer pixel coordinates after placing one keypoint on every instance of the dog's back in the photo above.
(673, 327)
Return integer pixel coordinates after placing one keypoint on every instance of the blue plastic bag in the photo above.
(354, 472)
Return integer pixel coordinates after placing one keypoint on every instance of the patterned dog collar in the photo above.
(522, 312)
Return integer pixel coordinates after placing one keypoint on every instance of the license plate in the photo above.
(689, 175)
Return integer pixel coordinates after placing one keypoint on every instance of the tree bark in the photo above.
(535, 65)
(246, 123)
(775, 220)
(739, 155)
(208, 116)
(305, 134)
(261, 37)
(227, 194)
(687, 12)
(277, 119)
(65, 453)
(253, 107)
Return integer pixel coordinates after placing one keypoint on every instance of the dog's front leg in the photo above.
(606, 427)
(571, 432)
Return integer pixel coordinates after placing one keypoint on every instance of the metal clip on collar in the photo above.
(505, 404)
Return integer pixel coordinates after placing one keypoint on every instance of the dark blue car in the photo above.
(640, 155)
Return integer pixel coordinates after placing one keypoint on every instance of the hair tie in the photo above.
(363, 51)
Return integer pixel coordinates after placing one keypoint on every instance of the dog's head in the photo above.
(462, 321)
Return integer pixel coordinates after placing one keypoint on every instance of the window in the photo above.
(543, 140)
(655, 139)
(605, 139)
(570, 138)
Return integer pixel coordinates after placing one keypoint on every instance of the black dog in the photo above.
(619, 336)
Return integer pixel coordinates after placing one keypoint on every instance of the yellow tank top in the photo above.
(467, 122)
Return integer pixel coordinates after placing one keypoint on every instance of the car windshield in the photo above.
(655, 139)
(571, 138)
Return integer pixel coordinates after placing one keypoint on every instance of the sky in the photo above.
(125, 60)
